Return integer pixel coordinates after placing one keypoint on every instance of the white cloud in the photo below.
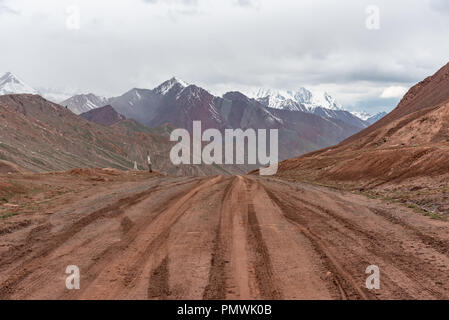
(394, 92)
(226, 44)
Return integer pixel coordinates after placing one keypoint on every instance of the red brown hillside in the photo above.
(40, 136)
(429, 93)
(405, 152)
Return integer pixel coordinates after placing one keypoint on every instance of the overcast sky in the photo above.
(226, 45)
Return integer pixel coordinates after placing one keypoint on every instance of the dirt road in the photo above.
(239, 237)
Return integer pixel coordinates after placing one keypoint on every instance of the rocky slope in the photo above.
(405, 155)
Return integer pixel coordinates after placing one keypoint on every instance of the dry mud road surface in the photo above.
(239, 237)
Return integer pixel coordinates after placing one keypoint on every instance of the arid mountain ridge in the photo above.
(403, 156)
(173, 104)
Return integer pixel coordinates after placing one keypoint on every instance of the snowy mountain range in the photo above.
(303, 100)
(11, 84)
(306, 120)
(178, 103)
(369, 117)
(318, 103)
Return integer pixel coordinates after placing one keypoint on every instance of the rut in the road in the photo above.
(216, 286)
(228, 275)
(346, 285)
(405, 275)
(37, 260)
(159, 286)
(150, 234)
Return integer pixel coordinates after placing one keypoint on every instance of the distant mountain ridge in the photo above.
(84, 102)
(306, 120)
(318, 103)
(178, 103)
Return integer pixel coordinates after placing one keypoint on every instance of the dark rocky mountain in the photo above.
(104, 115)
(179, 104)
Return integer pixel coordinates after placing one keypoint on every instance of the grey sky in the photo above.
(227, 45)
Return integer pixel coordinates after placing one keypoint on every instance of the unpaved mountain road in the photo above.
(241, 237)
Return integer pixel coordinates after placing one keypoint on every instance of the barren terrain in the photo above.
(133, 235)
(403, 157)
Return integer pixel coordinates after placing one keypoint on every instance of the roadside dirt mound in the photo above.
(4, 186)
(85, 172)
(96, 174)
(109, 171)
(7, 188)
(9, 167)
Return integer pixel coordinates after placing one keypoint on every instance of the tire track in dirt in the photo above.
(262, 266)
(167, 214)
(378, 242)
(177, 209)
(55, 241)
(382, 247)
(145, 243)
(158, 286)
(439, 245)
(229, 272)
(405, 278)
(216, 286)
(346, 285)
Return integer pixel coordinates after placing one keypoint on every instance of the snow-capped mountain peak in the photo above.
(362, 115)
(304, 99)
(11, 84)
(168, 85)
(84, 102)
(277, 99)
